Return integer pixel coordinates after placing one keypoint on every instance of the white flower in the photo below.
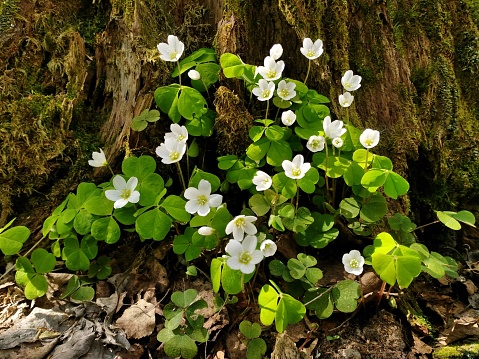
(265, 90)
(353, 262)
(200, 200)
(315, 143)
(243, 256)
(99, 159)
(276, 51)
(337, 142)
(333, 129)
(171, 51)
(271, 70)
(194, 75)
(171, 151)
(124, 192)
(296, 169)
(310, 50)
(268, 248)
(346, 99)
(262, 180)
(286, 90)
(206, 231)
(369, 138)
(178, 133)
(351, 82)
(240, 225)
(288, 118)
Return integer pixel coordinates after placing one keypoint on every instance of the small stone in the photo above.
(350, 353)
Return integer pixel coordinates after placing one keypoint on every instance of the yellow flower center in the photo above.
(347, 85)
(181, 138)
(315, 143)
(202, 200)
(284, 93)
(174, 155)
(125, 193)
(353, 263)
(239, 222)
(244, 258)
(310, 53)
(265, 93)
(296, 172)
(271, 73)
(369, 142)
(173, 55)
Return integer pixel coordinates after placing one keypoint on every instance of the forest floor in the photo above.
(431, 319)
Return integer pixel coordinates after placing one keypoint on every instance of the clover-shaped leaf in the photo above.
(250, 330)
(11, 240)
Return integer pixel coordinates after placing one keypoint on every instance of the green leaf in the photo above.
(139, 167)
(150, 187)
(232, 65)
(300, 221)
(349, 207)
(99, 205)
(308, 182)
(175, 206)
(465, 217)
(106, 229)
(215, 272)
(193, 149)
(268, 303)
(374, 209)
(153, 224)
(209, 75)
(37, 286)
(290, 311)
(89, 246)
(82, 222)
(83, 294)
(395, 185)
(353, 174)
(166, 98)
(259, 204)
(140, 122)
(296, 268)
(256, 349)
(373, 179)
(202, 125)
(184, 299)
(191, 103)
(321, 302)
(284, 185)
(181, 346)
(125, 215)
(400, 263)
(11, 240)
(86, 190)
(76, 259)
(250, 330)
(278, 152)
(345, 295)
(257, 150)
(211, 178)
(43, 261)
(448, 220)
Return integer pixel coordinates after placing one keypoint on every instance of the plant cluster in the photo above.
(303, 173)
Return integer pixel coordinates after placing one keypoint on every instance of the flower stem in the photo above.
(267, 109)
(307, 73)
(179, 72)
(112, 173)
(326, 172)
(180, 172)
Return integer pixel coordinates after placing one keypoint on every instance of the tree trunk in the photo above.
(75, 73)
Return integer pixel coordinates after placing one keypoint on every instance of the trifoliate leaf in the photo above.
(11, 240)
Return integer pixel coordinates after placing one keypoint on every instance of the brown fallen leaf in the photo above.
(138, 321)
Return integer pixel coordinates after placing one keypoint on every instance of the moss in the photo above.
(464, 351)
(8, 10)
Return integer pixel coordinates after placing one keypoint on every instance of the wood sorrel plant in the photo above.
(303, 173)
